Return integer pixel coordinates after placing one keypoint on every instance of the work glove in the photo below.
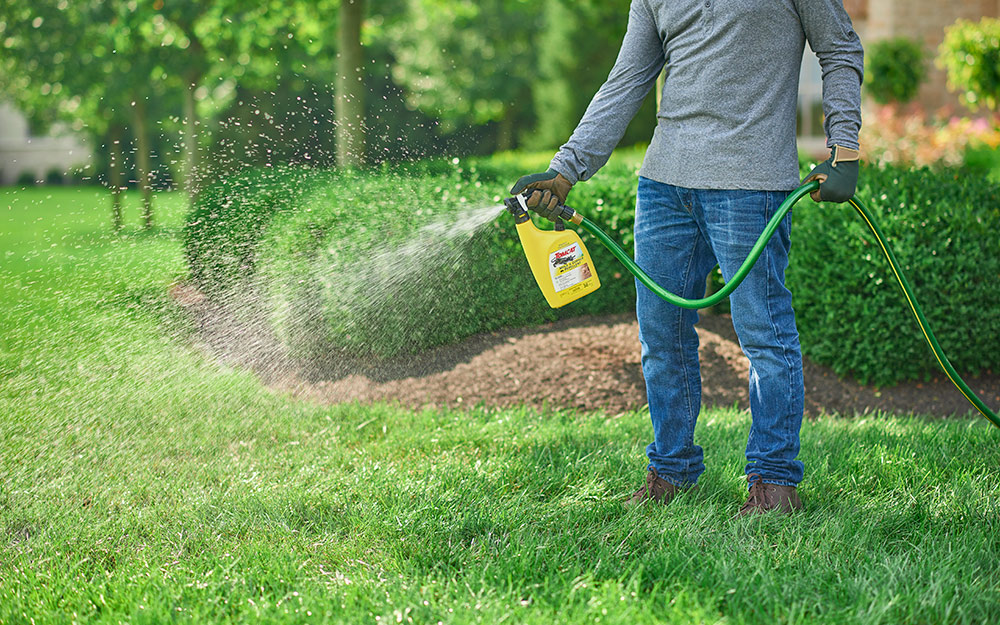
(550, 191)
(837, 175)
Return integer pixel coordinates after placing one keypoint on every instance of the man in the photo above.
(722, 158)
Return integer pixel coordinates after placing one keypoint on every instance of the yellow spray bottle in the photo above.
(558, 259)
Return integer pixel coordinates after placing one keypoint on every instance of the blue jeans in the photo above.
(680, 235)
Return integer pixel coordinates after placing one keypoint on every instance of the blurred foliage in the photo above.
(970, 53)
(161, 70)
(442, 76)
(576, 52)
(982, 160)
(895, 70)
(911, 137)
(850, 312)
(59, 61)
(469, 63)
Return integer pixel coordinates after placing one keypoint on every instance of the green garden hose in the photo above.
(755, 253)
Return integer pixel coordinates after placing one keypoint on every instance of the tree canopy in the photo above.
(261, 82)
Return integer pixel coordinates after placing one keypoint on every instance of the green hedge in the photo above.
(970, 53)
(228, 219)
(851, 314)
(895, 69)
(342, 263)
(355, 266)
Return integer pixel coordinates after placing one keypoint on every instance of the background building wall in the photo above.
(39, 157)
(923, 21)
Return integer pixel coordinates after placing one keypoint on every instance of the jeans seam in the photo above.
(684, 368)
(786, 423)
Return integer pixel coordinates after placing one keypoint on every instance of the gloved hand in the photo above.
(551, 191)
(837, 175)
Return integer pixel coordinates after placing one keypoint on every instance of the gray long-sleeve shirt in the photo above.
(727, 113)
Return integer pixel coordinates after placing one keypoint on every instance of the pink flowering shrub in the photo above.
(911, 137)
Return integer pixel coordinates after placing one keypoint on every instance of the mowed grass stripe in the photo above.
(140, 482)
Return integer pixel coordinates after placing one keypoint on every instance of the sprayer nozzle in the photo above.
(518, 207)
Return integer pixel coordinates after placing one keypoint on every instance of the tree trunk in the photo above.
(193, 75)
(189, 163)
(505, 132)
(142, 169)
(350, 103)
(115, 167)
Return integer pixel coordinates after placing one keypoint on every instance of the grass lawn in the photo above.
(141, 483)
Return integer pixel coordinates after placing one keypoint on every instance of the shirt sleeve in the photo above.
(617, 101)
(831, 36)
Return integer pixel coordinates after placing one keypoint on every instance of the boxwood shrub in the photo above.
(228, 218)
(347, 264)
(364, 263)
(942, 227)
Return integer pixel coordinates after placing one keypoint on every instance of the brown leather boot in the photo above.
(656, 489)
(766, 497)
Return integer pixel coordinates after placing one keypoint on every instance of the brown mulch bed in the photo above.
(585, 364)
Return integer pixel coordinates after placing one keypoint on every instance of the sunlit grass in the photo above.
(140, 482)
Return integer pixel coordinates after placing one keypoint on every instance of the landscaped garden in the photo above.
(145, 481)
(276, 355)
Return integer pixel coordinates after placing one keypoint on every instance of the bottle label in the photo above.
(568, 267)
